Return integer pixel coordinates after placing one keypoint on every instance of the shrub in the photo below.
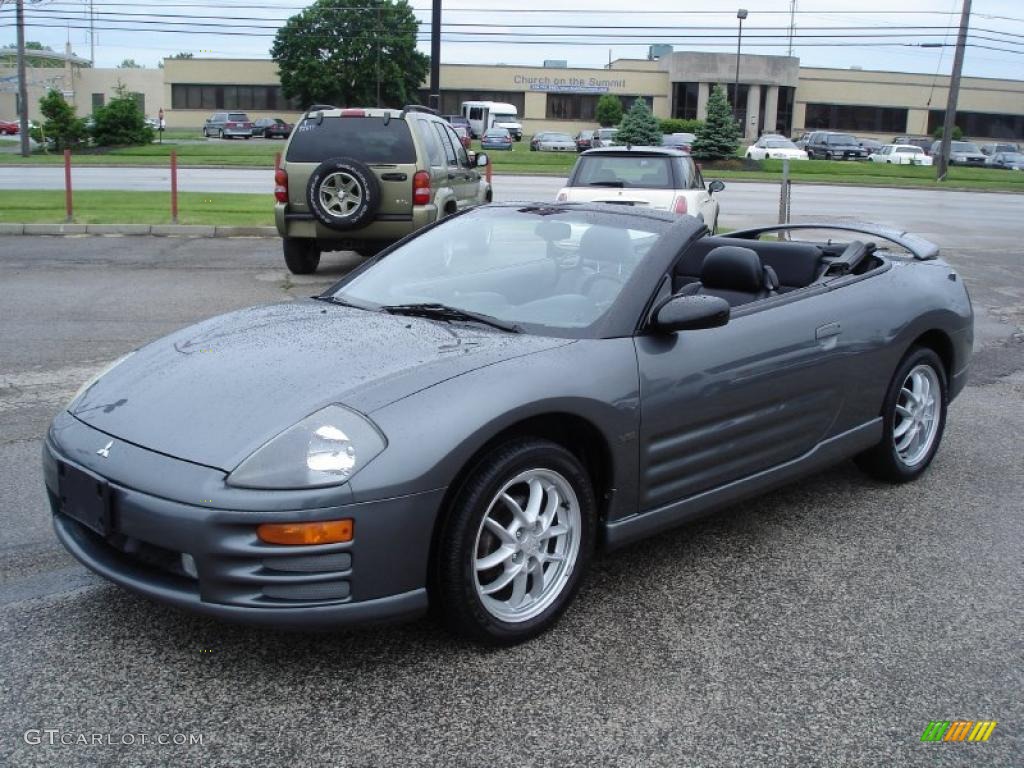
(60, 125)
(957, 133)
(719, 136)
(639, 128)
(608, 111)
(677, 125)
(120, 123)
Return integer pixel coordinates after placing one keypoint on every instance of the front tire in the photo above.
(913, 419)
(517, 542)
(301, 256)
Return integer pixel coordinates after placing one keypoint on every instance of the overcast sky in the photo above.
(1001, 21)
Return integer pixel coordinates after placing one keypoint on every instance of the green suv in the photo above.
(360, 179)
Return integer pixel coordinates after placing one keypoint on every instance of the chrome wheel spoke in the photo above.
(518, 589)
(554, 532)
(502, 581)
(516, 510)
(533, 503)
(497, 557)
(537, 587)
(503, 533)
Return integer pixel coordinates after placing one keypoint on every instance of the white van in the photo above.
(490, 114)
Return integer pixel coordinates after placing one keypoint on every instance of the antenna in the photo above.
(793, 23)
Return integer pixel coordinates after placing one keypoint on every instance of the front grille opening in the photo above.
(325, 590)
(320, 563)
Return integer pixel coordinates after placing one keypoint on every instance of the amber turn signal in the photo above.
(326, 532)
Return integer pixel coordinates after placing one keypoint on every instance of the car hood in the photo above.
(214, 392)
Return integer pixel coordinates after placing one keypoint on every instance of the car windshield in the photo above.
(779, 144)
(504, 117)
(1012, 157)
(910, 150)
(558, 137)
(551, 272)
(840, 138)
(629, 171)
(369, 139)
(607, 133)
(963, 146)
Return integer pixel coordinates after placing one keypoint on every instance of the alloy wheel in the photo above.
(527, 545)
(340, 194)
(917, 415)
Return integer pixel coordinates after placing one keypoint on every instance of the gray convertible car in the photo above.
(462, 420)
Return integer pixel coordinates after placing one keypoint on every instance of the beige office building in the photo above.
(775, 93)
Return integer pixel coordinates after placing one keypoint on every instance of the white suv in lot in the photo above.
(660, 178)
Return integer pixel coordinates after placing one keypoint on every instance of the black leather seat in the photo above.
(737, 275)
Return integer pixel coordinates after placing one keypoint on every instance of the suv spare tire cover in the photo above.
(343, 193)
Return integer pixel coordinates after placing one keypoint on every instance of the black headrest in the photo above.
(734, 268)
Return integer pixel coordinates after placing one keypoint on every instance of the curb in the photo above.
(120, 230)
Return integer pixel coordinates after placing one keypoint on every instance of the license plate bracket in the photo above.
(85, 497)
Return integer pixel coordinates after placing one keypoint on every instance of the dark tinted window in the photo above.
(856, 118)
(369, 139)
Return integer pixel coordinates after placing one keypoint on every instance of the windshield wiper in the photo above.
(444, 312)
(607, 184)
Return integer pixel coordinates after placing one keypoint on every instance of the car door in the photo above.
(721, 404)
(464, 180)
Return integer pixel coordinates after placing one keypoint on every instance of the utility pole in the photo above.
(954, 92)
(92, 34)
(22, 84)
(435, 56)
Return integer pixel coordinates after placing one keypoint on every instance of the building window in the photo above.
(451, 101)
(981, 124)
(684, 100)
(583, 106)
(849, 117)
(256, 97)
(98, 100)
(784, 115)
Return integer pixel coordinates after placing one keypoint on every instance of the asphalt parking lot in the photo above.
(824, 624)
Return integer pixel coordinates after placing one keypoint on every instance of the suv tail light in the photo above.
(281, 185)
(679, 206)
(421, 188)
(353, 113)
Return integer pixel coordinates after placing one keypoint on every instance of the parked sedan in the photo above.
(604, 137)
(961, 153)
(9, 128)
(901, 154)
(496, 138)
(462, 131)
(556, 142)
(536, 139)
(994, 148)
(775, 147)
(680, 141)
(584, 140)
(462, 421)
(1011, 161)
(271, 128)
(870, 146)
(645, 178)
(917, 141)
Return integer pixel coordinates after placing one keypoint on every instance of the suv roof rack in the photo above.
(419, 108)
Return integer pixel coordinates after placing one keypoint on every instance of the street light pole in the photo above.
(22, 80)
(741, 14)
(435, 56)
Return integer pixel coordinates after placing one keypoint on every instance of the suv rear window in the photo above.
(365, 138)
(238, 117)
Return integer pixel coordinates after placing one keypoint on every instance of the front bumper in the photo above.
(378, 576)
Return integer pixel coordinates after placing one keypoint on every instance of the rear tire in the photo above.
(301, 256)
(912, 422)
(519, 481)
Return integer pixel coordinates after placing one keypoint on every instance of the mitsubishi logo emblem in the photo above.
(105, 450)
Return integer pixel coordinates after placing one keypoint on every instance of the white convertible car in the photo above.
(775, 147)
(901, 154)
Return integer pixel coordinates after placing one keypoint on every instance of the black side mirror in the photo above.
(690, 313)
(716, 186)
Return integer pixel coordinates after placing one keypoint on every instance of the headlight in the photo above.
(97, 376)
(326, 448)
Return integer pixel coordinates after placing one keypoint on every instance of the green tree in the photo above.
(345, 52)
(639, 128)
(130, 64)
(120, 122)
(719, 136)
(60, 124)
(957, 134)
(608, 111)
(32, 45)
